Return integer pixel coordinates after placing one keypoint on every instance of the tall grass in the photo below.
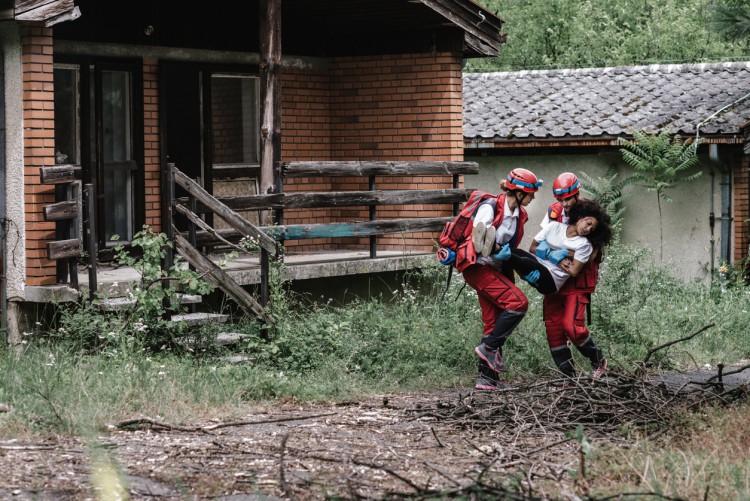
(415, 340)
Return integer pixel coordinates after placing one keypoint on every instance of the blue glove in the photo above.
(503, 254)
(532, 277)
(542, 249)
(558, 255)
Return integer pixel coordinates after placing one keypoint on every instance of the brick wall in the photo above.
(152, 157)
(405, 107)
(306, 136)
(397, 107)
(741, 207)
(39, 149)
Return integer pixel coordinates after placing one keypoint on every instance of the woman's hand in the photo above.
(571, 266)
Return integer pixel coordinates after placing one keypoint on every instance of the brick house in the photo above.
(122, 88)
(569, 120)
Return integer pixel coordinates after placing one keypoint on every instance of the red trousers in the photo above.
(565, 319)
(497, 293)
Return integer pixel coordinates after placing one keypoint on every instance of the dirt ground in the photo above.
(503, 444)
(379, 447)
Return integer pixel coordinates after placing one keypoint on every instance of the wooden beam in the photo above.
(381, 197)
(364, 229)
(42, 10)
(270, 96)
(337, 230)
(303, 200)
(307, 169)
(232, 218)
(61, 211)
(63, 249)
(474, 23)
(59, 174)
(216, 276)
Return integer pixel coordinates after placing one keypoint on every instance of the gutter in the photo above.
(505, 144)
(3, 220)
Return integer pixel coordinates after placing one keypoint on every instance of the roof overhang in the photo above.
(49, 12)
(579, 142)
(481, 28)
(316, 28)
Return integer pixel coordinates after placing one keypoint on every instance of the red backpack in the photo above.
(457, 233)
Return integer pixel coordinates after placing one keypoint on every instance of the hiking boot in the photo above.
(598, 372)
(492, 357)
(483, 238)
(484, 383)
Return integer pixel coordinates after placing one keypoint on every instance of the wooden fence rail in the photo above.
(201, 235)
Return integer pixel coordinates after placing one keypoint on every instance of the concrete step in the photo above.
(230, 338)
(123, 303)
(239, 358)
(200, 318)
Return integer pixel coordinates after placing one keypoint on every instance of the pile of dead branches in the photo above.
(606, 407)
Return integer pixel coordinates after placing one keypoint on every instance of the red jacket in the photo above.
(585, 281)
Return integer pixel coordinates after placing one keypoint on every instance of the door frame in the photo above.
(92, 173)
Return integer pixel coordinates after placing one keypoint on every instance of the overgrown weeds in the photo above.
(417, 339)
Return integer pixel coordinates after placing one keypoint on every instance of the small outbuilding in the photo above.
(570, 120)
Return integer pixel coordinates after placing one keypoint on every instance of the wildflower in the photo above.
(723, 268)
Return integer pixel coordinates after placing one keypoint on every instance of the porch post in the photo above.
(270, 97)
(270, 118)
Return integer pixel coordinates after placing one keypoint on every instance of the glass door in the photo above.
(117, 166)
(99, 125)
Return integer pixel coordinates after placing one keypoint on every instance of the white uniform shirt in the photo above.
(503, 233)
(555, 235)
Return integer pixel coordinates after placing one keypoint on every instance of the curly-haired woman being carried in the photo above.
(560, 250)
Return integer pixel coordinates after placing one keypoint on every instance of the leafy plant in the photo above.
(154, 297)
(608, 191)
(661, 161)
(731, 18)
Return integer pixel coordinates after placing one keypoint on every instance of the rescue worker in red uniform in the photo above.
(499, 221)
(565, 311)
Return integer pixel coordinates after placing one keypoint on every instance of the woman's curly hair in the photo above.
(602, 235)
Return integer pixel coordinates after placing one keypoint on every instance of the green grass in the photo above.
(416, 340)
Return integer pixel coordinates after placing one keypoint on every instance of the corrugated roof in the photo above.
(605, 101)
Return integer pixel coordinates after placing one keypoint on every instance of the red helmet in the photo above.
(566, 185)
(524, 180)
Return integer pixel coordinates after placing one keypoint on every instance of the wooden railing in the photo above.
(370, 198)
(271, 238)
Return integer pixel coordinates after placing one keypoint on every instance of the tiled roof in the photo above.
(605, 101)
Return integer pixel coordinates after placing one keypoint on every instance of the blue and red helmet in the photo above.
(566, 185)
(523, 180)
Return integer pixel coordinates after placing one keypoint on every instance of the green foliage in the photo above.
(661, 161)
(549, 34)
(414, 340)
(154, 297)
(609, 192)
(731, 18)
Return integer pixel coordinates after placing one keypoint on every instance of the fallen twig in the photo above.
(153, 423)
(665, 345)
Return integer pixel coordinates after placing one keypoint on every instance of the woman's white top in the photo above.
(555, 235)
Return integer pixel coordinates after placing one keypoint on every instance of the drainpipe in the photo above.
(3, 220)
(713, 152)
(726, 197)
(711, 221)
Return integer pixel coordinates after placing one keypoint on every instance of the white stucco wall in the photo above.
(10, 41)
(687, 235)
